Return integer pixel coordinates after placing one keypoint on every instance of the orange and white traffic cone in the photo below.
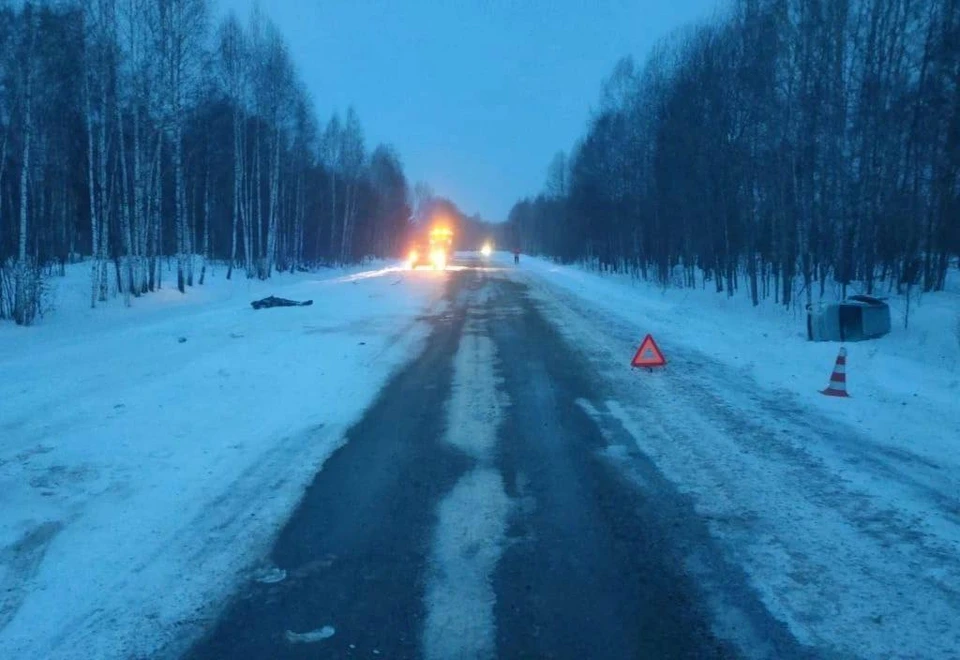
(838, 380)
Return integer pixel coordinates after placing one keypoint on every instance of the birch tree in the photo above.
(423, 195)
(790, 139)
(276, 100)
(179, 37)
(116, 149)
(231, 64)
(352, 157)
(100, 17)
(331, 147)
(391, 210)
(26, 300)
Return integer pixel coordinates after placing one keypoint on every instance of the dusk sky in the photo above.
(475, 95)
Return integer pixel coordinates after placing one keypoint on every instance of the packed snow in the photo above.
(907, 384)
(844, 513)
(472, 518)
(149, 454)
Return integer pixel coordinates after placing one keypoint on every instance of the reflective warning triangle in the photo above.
(649, 354)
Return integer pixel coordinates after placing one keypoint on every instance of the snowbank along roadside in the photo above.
(845, 514)
(148, 455)
(906, 385)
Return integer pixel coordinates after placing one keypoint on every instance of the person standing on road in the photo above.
(516, 256)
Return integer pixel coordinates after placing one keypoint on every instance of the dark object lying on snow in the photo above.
(273, 301)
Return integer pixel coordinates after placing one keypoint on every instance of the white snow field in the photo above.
(148, 455)
(844, 514)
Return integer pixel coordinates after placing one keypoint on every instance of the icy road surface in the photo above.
(463, 465)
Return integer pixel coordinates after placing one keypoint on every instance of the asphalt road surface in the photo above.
(479, 511)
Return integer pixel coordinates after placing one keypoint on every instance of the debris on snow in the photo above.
(310, 637)
(270, 575)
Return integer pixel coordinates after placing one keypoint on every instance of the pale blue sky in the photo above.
(476, 95)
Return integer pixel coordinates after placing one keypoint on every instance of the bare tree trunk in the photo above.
(24, 302)
(247, 207)
(299, 214)
(126, 287)
(348, 201)
(156, 269)
(179, 193)
(333, 213)
(3, 163)
(94, 207)
(104, 218)
(190, 217)
(139, 217)
(206, 222)
(236, 190)
(274, 192)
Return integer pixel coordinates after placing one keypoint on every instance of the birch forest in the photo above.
(146, 140)
(786, 146)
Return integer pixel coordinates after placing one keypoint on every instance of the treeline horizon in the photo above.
(133, 130)
(782, 146)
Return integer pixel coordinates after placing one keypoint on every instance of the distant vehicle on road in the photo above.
(435, 249)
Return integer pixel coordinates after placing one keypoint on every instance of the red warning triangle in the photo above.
(649, 354)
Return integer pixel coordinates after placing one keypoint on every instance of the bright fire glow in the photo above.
(438, 258)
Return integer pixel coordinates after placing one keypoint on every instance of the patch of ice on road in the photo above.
(469, 541)
(310, 637)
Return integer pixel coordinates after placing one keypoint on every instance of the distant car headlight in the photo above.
(486, 250)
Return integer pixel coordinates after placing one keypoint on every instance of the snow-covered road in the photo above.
(474, 513)
(500, 483)
(148, 456)
(844, 514)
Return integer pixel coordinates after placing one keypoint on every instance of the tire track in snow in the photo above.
(472, 519)
(18, 566)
